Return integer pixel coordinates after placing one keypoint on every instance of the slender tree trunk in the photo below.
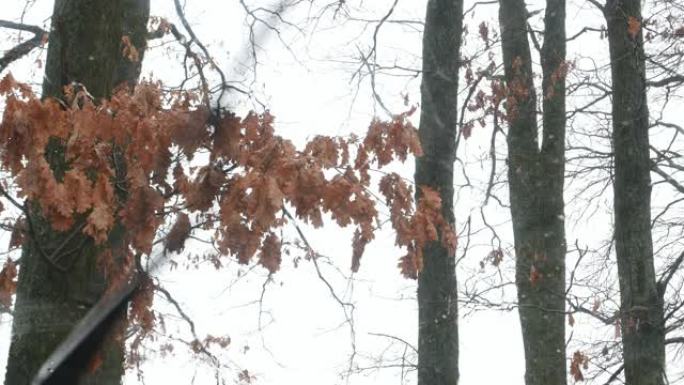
(536, 179)
(85, 46)
(437, 292)
(641, 305)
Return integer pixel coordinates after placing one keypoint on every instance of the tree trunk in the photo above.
(85, 46)
(437, 291)
(641, 306)
(536, 179)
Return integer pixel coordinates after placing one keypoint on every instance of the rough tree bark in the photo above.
(536, 179)
(85, 46)
(641, 305)
(437, 292)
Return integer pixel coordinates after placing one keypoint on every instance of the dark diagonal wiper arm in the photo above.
(65, 362)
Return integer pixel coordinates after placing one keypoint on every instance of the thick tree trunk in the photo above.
(536, 179)
(437, 292)
(85, 46)
(641, 306)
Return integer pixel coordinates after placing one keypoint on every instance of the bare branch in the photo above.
(669, 273)
(668, 178)
(179, 309)
(674, 340)
(24, 48)
(395, 338)
(678, 79)
(619, 370)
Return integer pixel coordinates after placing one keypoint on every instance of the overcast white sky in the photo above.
(309, 86)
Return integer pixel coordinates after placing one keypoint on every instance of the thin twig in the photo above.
(408, 344)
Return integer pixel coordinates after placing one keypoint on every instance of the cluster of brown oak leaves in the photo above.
(140, 143)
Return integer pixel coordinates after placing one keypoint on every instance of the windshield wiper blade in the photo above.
(58, 367)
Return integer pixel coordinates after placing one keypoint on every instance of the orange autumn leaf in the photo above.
(129, 51)
(201, 193)
(8, 84)
(387, 140)
(95, 362)
(227, 136)
(449, 238)
(175, 240)
(579, 362)
(265, 201)
(410, 265)
(141, 305)
(18, 233)
(127, 159)
(8, 283)
(535, 276)
(324, 149)
(426, 225)
(359, 241)
(270, 256)
(80, 190)
(430, 198)
(633, 27)
(99, 223)
(188, 129)
(139, 217)
(399, 197)
(222, 342)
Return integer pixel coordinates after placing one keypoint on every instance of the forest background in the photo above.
(329, 69)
